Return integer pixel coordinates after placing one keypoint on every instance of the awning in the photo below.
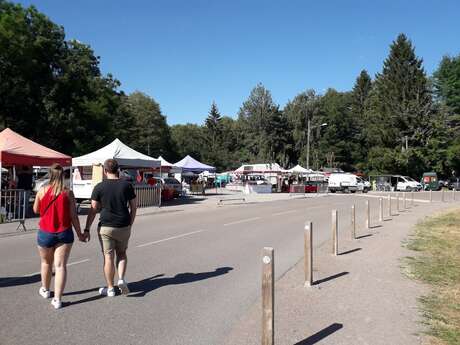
(18, 150)
(123, 154)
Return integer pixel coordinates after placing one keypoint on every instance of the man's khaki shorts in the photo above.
(114, 238)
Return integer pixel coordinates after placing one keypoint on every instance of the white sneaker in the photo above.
(104, 291)
(44, 293)
(123, 286)
(56, 303)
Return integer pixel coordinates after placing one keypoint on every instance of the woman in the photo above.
(56, 206)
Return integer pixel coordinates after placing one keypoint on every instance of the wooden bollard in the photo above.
(404, 201)
(380, 209)
(368, 215)
(335, 237)
(442, 195)
(431, 195)
(453, 194)
(268, 296)
(389, 205)
(353, 222)
(412, 199)
(308, 249)
(397, 202)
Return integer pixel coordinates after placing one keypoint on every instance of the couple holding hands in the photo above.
(116, 201)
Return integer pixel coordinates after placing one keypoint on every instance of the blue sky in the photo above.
(186, 54)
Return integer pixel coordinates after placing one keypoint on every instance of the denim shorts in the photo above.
(51, 239)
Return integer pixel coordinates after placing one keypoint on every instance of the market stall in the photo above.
(191, 168)
(88, 171)
(20, 153)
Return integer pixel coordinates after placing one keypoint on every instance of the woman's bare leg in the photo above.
(61, 255)
(46, 267)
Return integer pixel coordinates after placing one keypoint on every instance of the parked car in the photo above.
(346, 182)
(45, 179)
(172, 183)
(407, 184)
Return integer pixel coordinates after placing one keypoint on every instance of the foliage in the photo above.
(52, 91)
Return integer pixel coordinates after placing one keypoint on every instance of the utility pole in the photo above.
(308, 144)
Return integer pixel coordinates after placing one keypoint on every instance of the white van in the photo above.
(407, 184)
(346, 182)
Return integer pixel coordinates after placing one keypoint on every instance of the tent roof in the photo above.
(169, 166)
(188, 163)
(300, 170)
(123, 154)
(18, 150)
(259, 168)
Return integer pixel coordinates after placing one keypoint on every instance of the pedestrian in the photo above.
(58, 213)
(116, 200)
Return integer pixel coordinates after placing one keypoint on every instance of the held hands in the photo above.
(81, 236)
(86, 236)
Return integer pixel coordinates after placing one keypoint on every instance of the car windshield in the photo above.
(171, 181)
(409, 179)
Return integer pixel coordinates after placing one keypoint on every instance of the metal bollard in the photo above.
(335, 239)
(308, 253)
(389, 205)
(368, 215)
(268, 296)
(380, 209)
(353, 222)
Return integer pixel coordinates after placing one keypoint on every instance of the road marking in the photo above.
(169, 238)
(69, 264)
(242, 221)
(285, 212)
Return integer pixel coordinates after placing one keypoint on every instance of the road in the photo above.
(192, 274)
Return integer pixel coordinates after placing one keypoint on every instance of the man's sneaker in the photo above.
(123, 286)
(56, 303)
(104, 291)
(44, 293)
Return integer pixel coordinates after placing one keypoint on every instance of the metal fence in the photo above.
(13, 206)
(148, 195)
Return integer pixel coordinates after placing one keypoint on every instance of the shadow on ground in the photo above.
(317, 337)
(15, 281)
(335, 276)
(143, 287)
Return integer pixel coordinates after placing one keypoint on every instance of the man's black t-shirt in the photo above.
(114, 196)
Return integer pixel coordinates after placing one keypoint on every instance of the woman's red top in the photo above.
(57, 217)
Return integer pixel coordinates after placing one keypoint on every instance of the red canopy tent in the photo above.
(17, 150)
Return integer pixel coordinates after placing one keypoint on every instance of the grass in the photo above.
(436, 242)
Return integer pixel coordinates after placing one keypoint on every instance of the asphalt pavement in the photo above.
(192, 273)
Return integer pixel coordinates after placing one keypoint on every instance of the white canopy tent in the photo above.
(171, 168)
(259, 168)
(123, 154)
(300, 170)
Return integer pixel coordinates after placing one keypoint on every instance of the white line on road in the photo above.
(69, 264)
(285, 212)
(242, 221)
(169, 238)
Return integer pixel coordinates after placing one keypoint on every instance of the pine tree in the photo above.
(213, 124)
(402, 101)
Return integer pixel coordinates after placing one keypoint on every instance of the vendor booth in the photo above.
(19, 155)
(89, 171)
(191, 168)
(262, 178)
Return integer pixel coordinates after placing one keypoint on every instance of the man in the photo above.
(112, 196)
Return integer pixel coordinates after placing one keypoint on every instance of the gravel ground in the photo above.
(360, 297)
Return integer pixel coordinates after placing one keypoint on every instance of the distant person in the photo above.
(25, 182)
(58, 212)
(116, 199)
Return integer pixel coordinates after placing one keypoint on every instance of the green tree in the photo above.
(151, 132)
(305, 106)
(189, 139)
